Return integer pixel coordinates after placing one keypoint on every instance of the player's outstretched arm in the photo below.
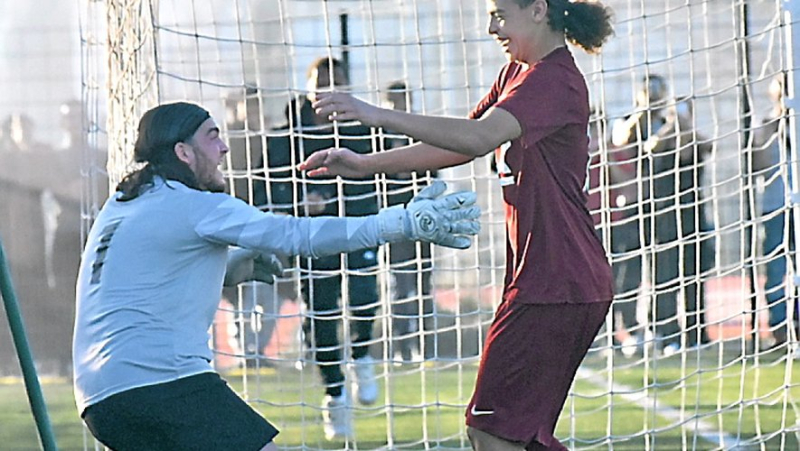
(448, 220)
(414, 157)
(470, 137)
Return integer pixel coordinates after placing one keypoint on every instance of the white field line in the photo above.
(702, 428)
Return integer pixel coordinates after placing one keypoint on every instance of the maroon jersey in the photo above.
(553, 254)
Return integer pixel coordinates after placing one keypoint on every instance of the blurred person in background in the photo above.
(246, 127)
(40, 222)
(674, 158)
(151, 276)
(628, 137)
(290, 192)
(771, 160)
(613, 189)
(255, 305)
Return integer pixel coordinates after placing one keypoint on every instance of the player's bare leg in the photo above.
(483, 441)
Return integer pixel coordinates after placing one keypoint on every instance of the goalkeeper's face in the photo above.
(206, 151)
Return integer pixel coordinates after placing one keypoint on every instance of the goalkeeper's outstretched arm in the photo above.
(447, 220)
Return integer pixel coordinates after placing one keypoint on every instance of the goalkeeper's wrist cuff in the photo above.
(393, 224)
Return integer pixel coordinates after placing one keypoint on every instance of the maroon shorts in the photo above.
(530, 358)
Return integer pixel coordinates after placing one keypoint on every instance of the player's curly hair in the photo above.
(586, 23)
(159, 130)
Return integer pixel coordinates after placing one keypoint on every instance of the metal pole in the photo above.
(792, 103)
(344, 35)
(745, 125)
(791, 14)
(34, 390)
(748, 194)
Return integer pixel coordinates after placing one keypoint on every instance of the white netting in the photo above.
(714, 60)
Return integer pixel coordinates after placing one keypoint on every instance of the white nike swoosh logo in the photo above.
(475, 412)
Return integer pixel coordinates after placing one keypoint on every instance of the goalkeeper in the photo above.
(153, 269)
(558, 284)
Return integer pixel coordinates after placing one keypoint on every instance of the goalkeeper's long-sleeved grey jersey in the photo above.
(152, 271)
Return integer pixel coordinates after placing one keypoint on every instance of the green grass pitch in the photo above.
(742, 399)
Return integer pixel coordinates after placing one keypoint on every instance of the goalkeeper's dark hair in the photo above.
(585, 23)
(159, 130)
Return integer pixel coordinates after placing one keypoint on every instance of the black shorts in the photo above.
(195, 413)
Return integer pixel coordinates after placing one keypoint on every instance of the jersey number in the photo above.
(102, 250)
(504, 172)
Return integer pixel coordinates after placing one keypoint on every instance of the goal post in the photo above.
(649, 382)
(791, 15)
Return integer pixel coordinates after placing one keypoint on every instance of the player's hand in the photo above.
(444, 220)
(335, 161)
(339, 106)
(266, 267)
(246, 265)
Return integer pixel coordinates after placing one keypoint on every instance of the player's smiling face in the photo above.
(512, 27)
(207, 150)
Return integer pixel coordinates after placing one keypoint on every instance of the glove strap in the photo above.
(393, 224)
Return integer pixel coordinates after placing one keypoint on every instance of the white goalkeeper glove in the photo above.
(246, 265)
(447, 221)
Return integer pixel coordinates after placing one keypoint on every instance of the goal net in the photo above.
(689, 183)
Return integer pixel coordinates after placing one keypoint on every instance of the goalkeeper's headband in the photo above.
(164, 126)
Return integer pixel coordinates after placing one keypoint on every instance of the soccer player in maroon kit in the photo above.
(558, 284)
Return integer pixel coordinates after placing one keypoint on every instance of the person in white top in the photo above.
(153, 268)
